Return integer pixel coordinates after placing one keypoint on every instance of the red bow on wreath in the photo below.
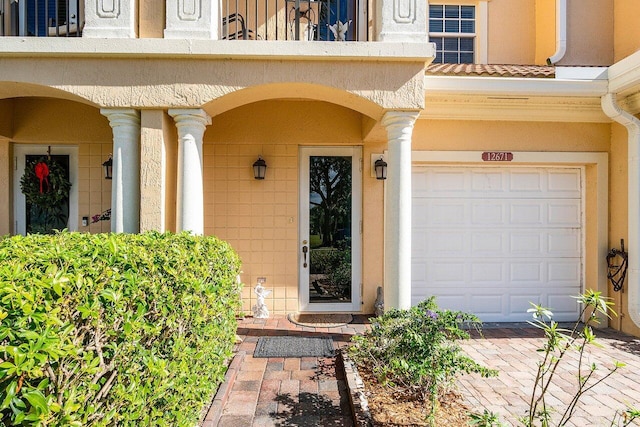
(42, 172)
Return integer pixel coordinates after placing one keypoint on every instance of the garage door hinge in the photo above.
(360, 226)
(15, 163)
(360, 164)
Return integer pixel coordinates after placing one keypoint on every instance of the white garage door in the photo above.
(490, 240)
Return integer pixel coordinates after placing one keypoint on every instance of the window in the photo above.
(453, 29)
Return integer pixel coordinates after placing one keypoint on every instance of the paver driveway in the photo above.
(513, 352)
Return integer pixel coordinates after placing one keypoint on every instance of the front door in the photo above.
(330, 229)
(31, 219)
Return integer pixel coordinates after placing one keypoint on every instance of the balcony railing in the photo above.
(41, 18)
(327, 20)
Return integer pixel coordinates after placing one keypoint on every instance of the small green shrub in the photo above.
(114, 329)
(418, 348)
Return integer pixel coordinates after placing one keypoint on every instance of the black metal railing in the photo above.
(41, 18)
(326, 20)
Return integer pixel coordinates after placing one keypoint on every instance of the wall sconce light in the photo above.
(108, 168)
(381, 168)
(259, 168)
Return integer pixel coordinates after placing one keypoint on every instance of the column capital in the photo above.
(399, 117)
(121, 116)
(190, 116)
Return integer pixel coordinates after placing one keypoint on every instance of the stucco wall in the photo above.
(510, 136)
(545, 30)
(618, 205)
(589, 33)
(260, 218)
(626, 28)
(5, 190)
(511, 32)
(6, 118)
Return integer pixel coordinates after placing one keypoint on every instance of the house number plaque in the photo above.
(497, 156)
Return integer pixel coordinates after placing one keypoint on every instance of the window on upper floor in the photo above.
(453, 29)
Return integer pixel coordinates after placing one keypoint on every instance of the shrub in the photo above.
(418, 348)
(114, 329)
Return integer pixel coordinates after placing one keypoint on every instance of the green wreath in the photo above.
(45, 186)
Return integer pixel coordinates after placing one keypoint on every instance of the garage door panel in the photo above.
(491, 240)
(491, 272)
(566, 213)
(486, 213)
(564, 272)
(527, 180)
(528, 273)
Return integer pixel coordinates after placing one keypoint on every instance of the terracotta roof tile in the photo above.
(529, 71)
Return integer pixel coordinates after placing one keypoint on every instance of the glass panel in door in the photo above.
(330, 250)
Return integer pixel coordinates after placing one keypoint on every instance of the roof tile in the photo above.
(491, 70)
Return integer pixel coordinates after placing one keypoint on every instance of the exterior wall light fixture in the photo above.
(108, 168)
(381, 168)
(259, 168)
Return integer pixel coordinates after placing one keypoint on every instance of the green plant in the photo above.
(558, 343)
(114, 329)
(486, 419)
(417, 348)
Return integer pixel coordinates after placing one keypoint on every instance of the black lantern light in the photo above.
(108, 168)
(381, 168)
(259, 168)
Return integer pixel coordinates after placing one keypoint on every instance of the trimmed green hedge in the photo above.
(114, 329)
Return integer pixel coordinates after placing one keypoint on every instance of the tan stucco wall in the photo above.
(367, 87)
(510, 136)
(260, 218)
(6, 118)
(511, 41)
(44, 120)
(545, 30)
(5, 190)
(618, 205)
(151, 21)
(94, 192)
(171, 150)
(589, 33)
(626, 28)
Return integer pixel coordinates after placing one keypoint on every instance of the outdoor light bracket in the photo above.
(617, 263)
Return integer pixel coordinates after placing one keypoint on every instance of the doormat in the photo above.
(288, 346)
(320, 320)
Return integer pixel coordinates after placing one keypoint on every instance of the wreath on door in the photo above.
(45, 184)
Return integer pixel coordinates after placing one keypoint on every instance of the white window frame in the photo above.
(481, 34)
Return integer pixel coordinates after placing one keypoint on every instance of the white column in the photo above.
(401, 21)
(125, 188)
(191, 124)
(397, 227)
(109, 19)
(192, 19)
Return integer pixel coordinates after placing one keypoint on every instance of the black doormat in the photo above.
(293, 347)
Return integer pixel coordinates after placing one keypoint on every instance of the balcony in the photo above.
(322, 20)
(306, 20)
(41, 18)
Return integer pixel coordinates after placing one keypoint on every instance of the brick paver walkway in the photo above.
(306, 391)
(310, 391)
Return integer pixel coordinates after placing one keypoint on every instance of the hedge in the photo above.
(114, 329)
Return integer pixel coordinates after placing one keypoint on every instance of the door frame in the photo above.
(305, 153)
(19, 202)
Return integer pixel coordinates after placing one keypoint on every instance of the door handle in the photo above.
(305, 249)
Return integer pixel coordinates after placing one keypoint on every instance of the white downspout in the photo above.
(561, 32)
(613, 110)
